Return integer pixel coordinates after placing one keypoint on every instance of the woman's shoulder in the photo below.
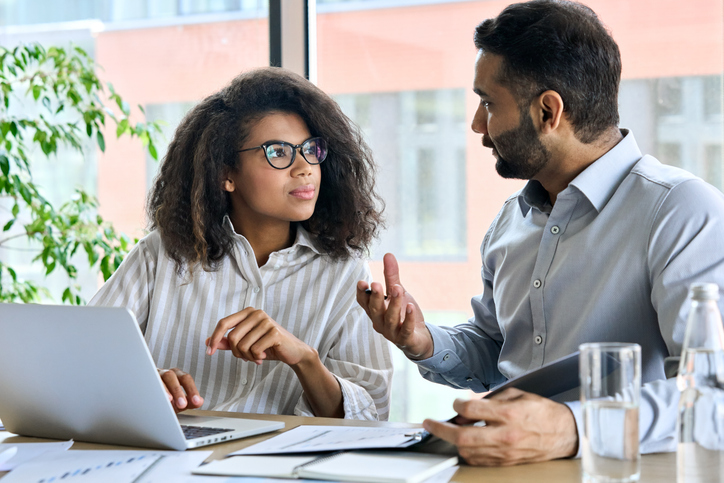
(149, 246)
(351, 263)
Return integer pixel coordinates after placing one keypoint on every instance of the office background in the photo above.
(402, 69)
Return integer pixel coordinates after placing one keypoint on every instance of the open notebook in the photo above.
(363, 466)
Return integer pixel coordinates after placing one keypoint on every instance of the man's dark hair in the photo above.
(561, 46)
(187, 203)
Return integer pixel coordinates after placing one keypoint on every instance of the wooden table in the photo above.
(654, 468)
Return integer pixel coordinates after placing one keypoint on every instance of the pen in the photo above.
(7, 454)
(369, 291)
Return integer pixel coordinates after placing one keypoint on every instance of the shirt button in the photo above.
(555, 230)
(243, 382)
(469, 379)
(537, 283)
(538, 339)
(446, 357)
(256, 290)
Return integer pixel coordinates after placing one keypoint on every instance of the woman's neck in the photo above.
(265, 237)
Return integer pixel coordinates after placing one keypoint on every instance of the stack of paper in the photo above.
(371, 466)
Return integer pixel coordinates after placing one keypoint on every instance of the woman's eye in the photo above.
(276, 152)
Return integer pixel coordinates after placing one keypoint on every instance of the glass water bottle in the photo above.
(700, 451)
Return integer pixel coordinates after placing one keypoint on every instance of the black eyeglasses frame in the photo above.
(265, 146)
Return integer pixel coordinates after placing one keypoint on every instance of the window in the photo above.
(669, 96)
(712, 97)
(678, 120)
(26, 12)
(171, 114)
(418, 138)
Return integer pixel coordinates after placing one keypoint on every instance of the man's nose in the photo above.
(480, 121)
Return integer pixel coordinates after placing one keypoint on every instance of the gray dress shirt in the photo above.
(611, 261)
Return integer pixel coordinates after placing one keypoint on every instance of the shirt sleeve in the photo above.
(357, 356)
(132, 284)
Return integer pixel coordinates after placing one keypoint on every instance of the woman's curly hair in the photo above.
(187, 203)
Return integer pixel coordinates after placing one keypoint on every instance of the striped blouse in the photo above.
(306, 292)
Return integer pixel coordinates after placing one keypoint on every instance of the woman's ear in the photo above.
(228, 185)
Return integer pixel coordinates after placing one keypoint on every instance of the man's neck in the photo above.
(571, 159)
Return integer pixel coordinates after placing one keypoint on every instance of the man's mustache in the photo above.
(487, 142)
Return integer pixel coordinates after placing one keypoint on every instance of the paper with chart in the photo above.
(114, 466)
(29, 451)
(308, 439)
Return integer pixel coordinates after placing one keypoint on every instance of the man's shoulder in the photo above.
(676, 187)
(651, 170)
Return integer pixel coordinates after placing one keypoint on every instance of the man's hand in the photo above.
(180, 389)
(399, 319)
(254, 336)
(520, 428)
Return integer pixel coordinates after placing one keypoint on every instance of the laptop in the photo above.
(85, 373)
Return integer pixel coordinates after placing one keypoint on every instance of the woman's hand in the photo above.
(181, 389)
(254, 336)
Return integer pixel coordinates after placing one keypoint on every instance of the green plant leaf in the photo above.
(4, 164)
(101, 141)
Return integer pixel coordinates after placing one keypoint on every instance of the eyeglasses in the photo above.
(280, 155)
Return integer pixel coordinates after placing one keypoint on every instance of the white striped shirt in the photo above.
(306, 292)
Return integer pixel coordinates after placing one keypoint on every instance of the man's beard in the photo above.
(520, 153)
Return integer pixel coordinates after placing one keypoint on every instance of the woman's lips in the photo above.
(303, 192)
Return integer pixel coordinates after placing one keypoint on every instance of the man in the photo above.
(601, 244)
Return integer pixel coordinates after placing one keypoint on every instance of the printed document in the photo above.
(312, 439)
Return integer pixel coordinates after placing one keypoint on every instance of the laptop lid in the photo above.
(86, 373)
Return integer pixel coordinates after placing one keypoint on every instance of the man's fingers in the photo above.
(393, 316)
(509, 394)
(460, 436)
(407, 327)
(363, 298)
(391, 270)
(489, 410)
(377, 307)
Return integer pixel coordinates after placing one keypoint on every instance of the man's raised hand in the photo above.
(399, 318)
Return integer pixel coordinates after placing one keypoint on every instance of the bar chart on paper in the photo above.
(107, 466)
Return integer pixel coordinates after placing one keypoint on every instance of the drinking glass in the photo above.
(610, 392)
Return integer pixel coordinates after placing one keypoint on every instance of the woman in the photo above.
(246, 284)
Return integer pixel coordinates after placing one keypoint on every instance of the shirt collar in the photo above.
(597, 183)
(302, 239)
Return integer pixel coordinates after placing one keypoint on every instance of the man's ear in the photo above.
(547, 111)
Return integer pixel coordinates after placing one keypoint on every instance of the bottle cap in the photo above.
(704, 291)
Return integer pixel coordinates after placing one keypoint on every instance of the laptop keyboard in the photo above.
(193, 432)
